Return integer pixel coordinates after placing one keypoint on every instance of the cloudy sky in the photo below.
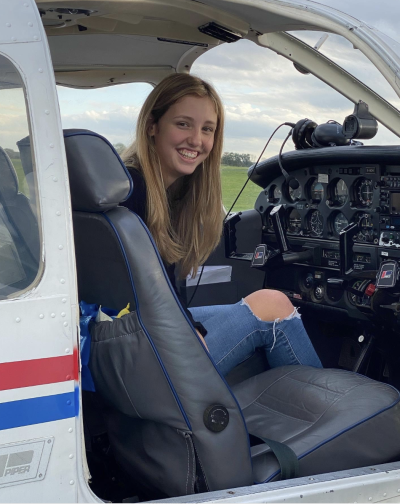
(259, 88)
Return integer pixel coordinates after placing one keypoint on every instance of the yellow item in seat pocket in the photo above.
(125, 311)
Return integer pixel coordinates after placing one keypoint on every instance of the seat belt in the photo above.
(286, 457)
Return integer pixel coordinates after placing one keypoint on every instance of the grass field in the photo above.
(23, 186)
(233, 179)
(18, 168)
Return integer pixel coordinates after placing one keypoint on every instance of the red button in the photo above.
(370, 289)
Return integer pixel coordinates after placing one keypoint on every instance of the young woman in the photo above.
(175, 166)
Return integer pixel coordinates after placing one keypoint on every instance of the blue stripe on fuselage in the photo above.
(37, 410)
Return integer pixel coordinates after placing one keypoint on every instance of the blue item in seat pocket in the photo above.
(89, 313)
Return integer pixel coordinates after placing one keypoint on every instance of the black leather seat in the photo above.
(173, 422)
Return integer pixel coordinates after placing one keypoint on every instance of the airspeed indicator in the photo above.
(340, 222)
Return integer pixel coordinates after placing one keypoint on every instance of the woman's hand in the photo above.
(202, 339)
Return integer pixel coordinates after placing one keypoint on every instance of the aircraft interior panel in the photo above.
(328, 198)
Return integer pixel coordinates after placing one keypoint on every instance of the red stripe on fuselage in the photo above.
(29, 373)
(76, 364)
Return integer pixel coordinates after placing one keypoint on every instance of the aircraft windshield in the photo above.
(342, 52)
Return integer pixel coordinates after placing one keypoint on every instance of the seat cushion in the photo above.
(332, 419)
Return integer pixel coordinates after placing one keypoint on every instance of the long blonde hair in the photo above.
(185, 220)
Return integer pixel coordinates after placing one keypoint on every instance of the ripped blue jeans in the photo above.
(234, 333)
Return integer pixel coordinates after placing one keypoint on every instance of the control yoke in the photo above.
(265, 257)
(346, 246)
(346, 242)
(277, 216)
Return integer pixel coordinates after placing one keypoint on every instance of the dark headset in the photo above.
(302, 133)
(308, 134)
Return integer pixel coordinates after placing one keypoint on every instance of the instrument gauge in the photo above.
(366, 233)
(340, 221)
(294, 221)
(315, 223)
(316, 191)
(295, 194)
(338, 193)
(275, 194)
(364, 192)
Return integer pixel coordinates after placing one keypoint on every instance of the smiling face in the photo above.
(184, 136)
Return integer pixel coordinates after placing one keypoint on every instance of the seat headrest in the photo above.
(8, 177)
(98, 178)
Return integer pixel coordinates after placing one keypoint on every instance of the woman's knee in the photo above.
(269, 304)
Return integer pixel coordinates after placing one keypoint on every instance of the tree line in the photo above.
(12, 154)
(236, 159)
(228, 158)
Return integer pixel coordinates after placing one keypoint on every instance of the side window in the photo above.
(110, 111)
(19, 224)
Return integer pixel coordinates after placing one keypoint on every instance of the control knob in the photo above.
(319, 292)
(309, 281)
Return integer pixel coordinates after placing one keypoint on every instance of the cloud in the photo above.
(260, 89)
(383, 15)
(111, 112)
(117, 125)
(269, 90)
(13, 118)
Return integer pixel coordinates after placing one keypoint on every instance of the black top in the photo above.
(137, 203)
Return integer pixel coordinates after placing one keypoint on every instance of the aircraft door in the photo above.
(40, 427)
